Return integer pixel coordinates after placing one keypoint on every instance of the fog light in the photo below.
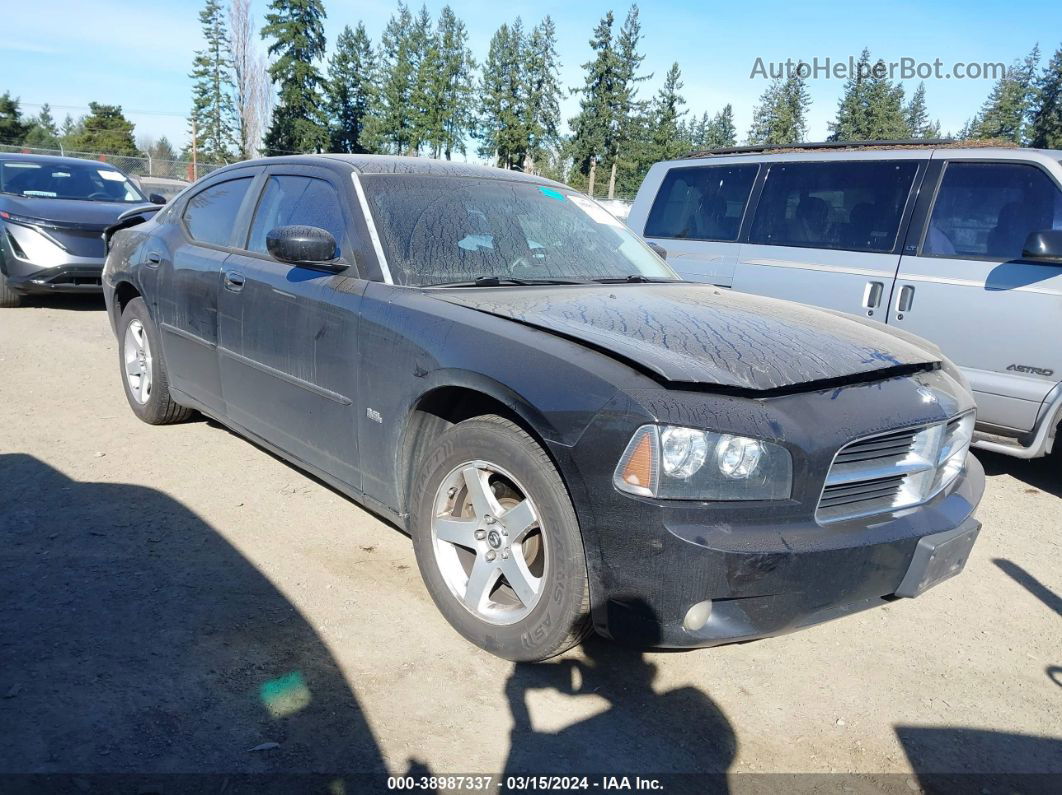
(697, 616)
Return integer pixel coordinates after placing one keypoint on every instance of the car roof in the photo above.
(395, 164)
(834, 150)
(53, 159)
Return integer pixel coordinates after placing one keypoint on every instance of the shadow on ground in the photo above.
(1044, 474)
(92, 302)
(136, 639)
(955, 759)
(637, 731)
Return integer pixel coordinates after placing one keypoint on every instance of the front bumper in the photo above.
(766, 581)
(49, 270)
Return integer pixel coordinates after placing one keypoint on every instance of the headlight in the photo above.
(673, 462)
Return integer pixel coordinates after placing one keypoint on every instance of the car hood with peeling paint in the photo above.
(699, 334)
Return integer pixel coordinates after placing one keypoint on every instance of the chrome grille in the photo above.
(891, 470)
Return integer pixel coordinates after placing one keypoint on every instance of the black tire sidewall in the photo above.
(158, 405)
(559, 618)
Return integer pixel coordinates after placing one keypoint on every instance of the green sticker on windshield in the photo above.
(553, 194)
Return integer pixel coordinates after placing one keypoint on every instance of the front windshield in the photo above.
(86, 181)
(438, 230)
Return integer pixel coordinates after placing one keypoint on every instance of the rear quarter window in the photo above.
(702, 203)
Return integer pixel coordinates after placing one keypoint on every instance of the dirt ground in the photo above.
(173, 598)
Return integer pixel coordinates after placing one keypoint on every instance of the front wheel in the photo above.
(8, 297)
(497, 542)
(147, 386)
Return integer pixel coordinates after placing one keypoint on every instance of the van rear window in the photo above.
(851, 205)
(702, 203)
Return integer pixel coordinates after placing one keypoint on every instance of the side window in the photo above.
(211, 214)
(288, 201)
(852, 205)
(988, 209)
(701, 203)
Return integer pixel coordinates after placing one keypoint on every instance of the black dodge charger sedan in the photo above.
(53, 211)
(574, 438)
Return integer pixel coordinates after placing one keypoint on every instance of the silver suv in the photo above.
(962, 246)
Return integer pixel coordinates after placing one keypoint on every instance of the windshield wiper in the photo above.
(634, 278)
(501, 281)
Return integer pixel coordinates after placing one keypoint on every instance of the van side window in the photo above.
(701, 203)
(852, 205)
(988, 209)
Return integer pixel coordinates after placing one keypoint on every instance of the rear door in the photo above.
(189, 284)
(696, 216)
(289, 333)
(826, 232)
(965, 286)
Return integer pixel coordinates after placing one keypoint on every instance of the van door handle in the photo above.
(904, 301)
(872, 295)
(234, 281)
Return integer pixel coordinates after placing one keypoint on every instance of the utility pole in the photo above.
(593, 172)
(195, 145)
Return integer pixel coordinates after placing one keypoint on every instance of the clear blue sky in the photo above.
(138, 54)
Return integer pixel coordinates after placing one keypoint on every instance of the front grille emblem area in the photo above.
(893, 470)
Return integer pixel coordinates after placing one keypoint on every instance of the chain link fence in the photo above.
(139, 166)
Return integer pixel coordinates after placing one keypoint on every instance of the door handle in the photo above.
(234, 281)
(904, 300)
(872, 295)
(154, 258)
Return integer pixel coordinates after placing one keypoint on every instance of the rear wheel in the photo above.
(147, 386)
(497, 541)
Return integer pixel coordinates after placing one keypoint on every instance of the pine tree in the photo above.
(391, 126)
(213, 116)
(503, 99)
(851, 123)
(452, 88)
(425, 61)
(721, 131)
(630, 129)
(12, 128)
(541, 76)
(1045, 129)
(916, 117)
(885, 110)
(871, 106)
(351, 75)
(780, 118)
(1005, 114)
(105, 129)
(667, 112)
(296, 28)
(43, 133)
(594, 128)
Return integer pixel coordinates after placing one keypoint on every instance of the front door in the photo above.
(967, 289)
(287, 348)
(825, 233)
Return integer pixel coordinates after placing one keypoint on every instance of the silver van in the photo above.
(962, 246)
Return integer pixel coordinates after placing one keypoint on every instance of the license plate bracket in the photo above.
(939, 557)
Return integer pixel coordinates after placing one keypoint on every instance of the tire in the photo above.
(550, 611)
(140, 357)
(8, 297)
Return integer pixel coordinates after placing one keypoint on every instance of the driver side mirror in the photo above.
(304, 245)
(156, 198)
(1043, 246)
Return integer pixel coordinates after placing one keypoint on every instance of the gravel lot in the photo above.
(175, 597)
